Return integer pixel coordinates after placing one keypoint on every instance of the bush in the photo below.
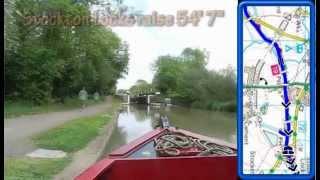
(186, 80)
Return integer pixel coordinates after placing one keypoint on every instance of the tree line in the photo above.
(46, 62)
(187, 81)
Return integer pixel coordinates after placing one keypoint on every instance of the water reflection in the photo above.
(136, 120)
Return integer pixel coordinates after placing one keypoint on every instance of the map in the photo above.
(276, 90)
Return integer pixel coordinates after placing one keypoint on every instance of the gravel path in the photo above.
(18, 131)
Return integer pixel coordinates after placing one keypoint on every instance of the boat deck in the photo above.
(139, 160)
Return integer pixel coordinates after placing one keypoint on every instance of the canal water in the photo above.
(136, 120)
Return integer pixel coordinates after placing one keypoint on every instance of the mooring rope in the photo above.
(173, 144)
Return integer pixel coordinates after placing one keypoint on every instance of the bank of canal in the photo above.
(136, 120)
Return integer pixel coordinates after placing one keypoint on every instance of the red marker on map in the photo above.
(275, 69)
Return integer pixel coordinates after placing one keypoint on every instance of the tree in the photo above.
(186, 80)
(44, 62)
(141, 87)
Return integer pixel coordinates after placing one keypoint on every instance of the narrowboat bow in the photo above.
(167, 153)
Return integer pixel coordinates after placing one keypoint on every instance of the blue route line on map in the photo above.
(286, 133)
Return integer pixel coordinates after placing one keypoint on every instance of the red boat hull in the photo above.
(119, 167)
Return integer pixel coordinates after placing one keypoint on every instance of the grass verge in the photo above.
(69, 137)
(33, 169)
(18, 108)
(73, 135)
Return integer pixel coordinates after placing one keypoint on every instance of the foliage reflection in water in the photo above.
(136, 120)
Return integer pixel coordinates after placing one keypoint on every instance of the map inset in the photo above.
(276, 94)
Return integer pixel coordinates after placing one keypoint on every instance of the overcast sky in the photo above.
(147, 43)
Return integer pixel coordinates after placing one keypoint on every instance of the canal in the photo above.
(136, 120)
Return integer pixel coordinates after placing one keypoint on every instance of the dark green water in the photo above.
(136, 120)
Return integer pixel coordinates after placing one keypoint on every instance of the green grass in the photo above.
(72, 135)
(69, 137)
(18, 108)
(229, 106)
(33, 169)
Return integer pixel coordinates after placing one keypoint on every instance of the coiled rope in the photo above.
(174, 144)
